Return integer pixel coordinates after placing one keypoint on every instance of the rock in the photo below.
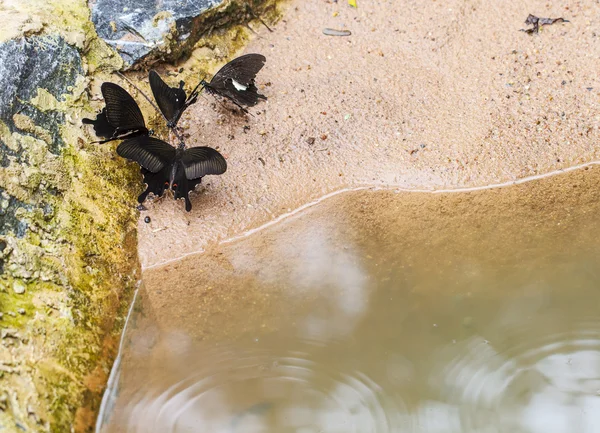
(8, 333)
(150, 30)
(19, 287)
(28, 64)
(58, 203)
(138, 27)
(9, 206)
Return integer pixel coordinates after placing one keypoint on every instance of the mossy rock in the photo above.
(68, 247)
(67, 232)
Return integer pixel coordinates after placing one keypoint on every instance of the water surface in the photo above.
(380, 312)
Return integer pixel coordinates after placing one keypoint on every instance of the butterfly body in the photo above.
(165, 167)
(172, 101)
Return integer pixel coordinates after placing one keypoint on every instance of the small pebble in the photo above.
(147, 220)
(8, 333)
(18, 287)
(21, 311)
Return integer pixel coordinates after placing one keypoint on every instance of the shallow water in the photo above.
(380, 312)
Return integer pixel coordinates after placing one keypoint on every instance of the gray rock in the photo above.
(138, 27)
(9, 222)
(148, 30)
(27, 64)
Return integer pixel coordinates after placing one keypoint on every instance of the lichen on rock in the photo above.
(67, 239)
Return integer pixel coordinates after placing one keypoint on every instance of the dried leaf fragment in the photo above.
(334, 32)
(536, 22)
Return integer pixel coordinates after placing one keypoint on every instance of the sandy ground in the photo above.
(423, 94)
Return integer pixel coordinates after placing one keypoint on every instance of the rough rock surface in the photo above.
(67, 238)
(27, 64)
(147, 30)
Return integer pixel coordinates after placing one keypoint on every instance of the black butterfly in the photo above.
(235, 81)
(165, 167)
(121, 118)
(172, 101)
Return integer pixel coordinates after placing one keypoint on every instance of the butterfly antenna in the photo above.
(253, 15)
(174, 131)
(201, 91)
(253, 31)
(196, 92)
(140, 91)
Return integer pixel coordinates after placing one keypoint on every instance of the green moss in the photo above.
(10, 304)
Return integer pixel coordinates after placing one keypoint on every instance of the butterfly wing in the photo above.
(235, 80)
(157, 183)
(242, 69)
(183, 189)
(102, 128)
(170, 100)
(196, 163)
(201, 161)
(122, 112)
(150, 153)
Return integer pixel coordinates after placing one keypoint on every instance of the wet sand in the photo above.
(237, 288)
(421, 95)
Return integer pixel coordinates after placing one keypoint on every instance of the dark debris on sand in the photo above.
(536, 22)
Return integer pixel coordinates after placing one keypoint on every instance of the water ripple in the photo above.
(256, 391)
(544, 385)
